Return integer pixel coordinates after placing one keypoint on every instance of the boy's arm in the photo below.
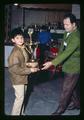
(15, 67)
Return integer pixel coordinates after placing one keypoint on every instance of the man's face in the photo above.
(68, 26)
(18, 40)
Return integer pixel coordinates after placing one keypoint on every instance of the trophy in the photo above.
(32, 46)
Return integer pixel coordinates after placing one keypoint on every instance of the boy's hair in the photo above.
(71, 17)
(15, 32)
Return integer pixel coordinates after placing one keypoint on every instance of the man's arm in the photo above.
(71, 47)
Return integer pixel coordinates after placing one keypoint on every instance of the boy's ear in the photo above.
(12, 40)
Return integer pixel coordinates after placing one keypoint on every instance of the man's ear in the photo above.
(74, 24)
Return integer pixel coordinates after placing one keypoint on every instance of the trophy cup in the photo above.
(32, 46)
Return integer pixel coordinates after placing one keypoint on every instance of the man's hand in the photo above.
(46, 65)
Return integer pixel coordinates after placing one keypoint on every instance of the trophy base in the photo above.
(33, 63)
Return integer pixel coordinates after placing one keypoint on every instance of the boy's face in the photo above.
(18, 40)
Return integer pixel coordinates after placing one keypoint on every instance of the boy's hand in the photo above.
(32, 64)
(34, 69)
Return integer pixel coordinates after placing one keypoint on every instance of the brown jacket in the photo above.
(17, 68)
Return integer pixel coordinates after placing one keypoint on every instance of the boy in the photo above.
(18, 69)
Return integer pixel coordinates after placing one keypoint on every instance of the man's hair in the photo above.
(15, 32)
(71, 17)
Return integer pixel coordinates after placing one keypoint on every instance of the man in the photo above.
(19, 70)
(69, 57)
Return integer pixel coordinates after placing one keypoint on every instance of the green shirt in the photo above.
(70, 57)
